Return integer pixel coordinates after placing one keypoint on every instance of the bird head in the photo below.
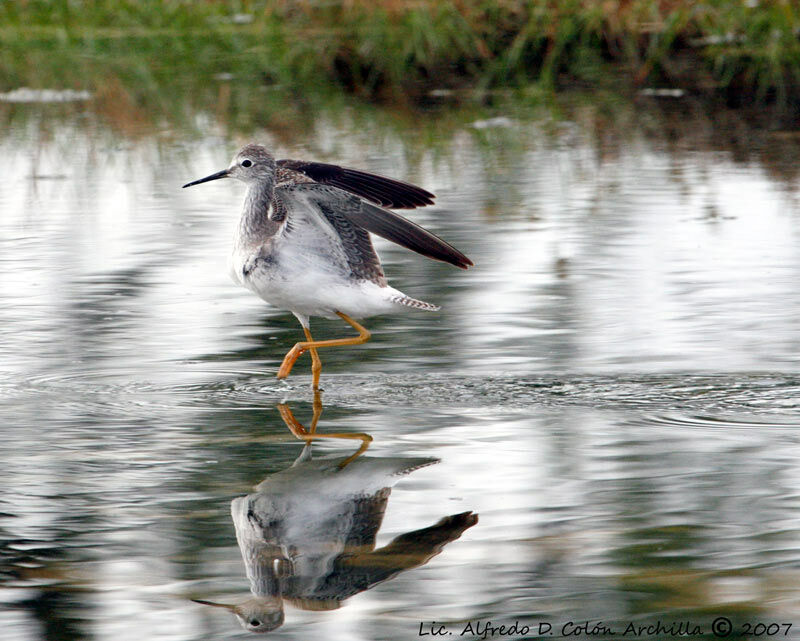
(252, 164)
(259, 614)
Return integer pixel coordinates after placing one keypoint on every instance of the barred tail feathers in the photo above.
(413, 302)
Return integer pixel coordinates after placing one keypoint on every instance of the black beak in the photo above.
(217, 176)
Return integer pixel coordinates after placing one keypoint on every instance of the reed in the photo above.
(404, 49)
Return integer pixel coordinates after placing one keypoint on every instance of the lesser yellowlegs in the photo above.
(303, 244)
(308, 536)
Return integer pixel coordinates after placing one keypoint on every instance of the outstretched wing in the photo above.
(380, 190)
(361, 215)
(315, 224)
(358, 569)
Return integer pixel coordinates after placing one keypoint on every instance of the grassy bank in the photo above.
(404, 49)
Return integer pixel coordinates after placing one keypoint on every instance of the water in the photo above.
(613, 389)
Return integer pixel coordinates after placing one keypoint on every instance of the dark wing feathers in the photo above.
(382, 222)
(361, 256)
(405, 233)
(381, 190)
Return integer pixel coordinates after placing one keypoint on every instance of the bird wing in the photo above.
(359, 568)
(350, 215)
(380, 190)
(315, 223)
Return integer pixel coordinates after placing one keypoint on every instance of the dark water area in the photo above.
(600, 428)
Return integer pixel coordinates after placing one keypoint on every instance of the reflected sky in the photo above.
(307, 535)
(583, 512)
(637, 259)
(613, 388)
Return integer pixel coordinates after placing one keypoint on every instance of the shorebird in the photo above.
(303, 242)
(308, 536)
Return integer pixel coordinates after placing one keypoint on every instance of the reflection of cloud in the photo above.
(307, 535)
(653, 281)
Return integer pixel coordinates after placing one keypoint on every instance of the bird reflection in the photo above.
(307, 534)
(310, 434)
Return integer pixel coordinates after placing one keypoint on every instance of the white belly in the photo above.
(307, 289)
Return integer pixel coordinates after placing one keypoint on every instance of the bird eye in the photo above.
(246, 163)
(254, 622)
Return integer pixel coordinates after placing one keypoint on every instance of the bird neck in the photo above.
(261, 560)
(255, 214)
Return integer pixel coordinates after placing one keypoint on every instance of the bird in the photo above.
(308, 535)
(303, 243)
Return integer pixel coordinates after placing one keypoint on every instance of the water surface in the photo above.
(613, 389)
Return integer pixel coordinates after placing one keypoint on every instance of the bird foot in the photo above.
(290, 359)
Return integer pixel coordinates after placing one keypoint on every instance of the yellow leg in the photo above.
(317, 406)
(295, 426)
(316, 364)
(312, 345)
(309, 435)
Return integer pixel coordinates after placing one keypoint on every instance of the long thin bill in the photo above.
(227, 606)
(217, 176)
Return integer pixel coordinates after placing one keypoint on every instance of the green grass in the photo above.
(399, 50)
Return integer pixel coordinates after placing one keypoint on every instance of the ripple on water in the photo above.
(696, 398)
